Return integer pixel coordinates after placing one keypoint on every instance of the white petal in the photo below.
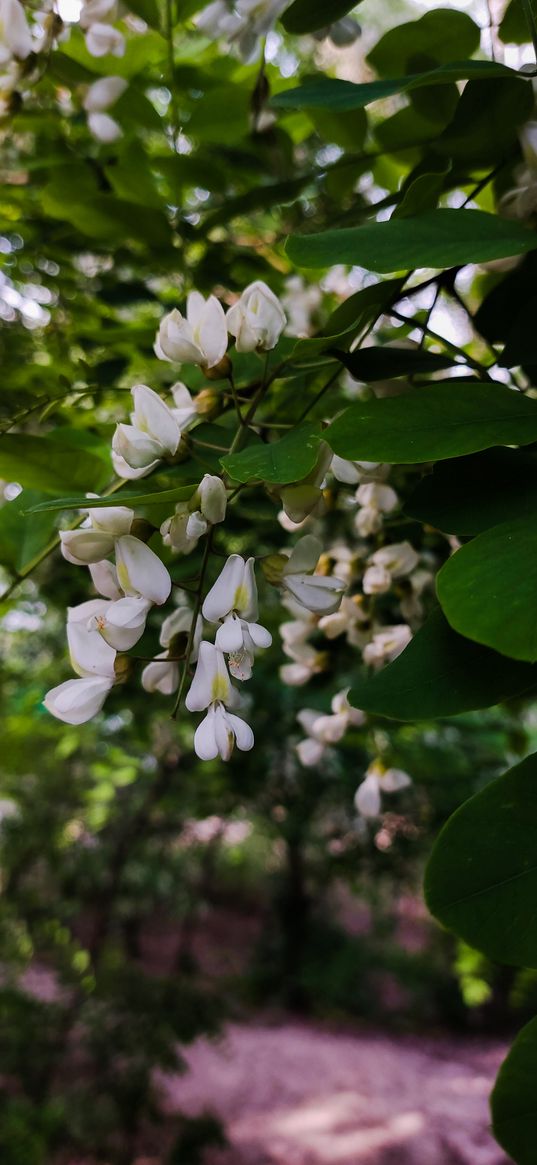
(205, 745)
(138, 448)
(310, 752)
(211, 331)
(161, 677)
(76, 701)
(104, 579)
(104, 93)
(304, 556)
(220, 599)
(213, 498)
(124, 623)
(260, 635)
(104, 128)
(318, 593)
(140, 571)
(367, 798)
(394, 779)
(114, 520)
(152, 416)
(211, 679)
(243, 733)
(124, 470)
(229, 637)
(82, 547)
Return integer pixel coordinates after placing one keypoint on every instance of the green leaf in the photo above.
(423, 192)
(341, 96)
(441, 674)
(439, 238)
(514, 26)
(156, 498)
(481, 881)
(485, 123)
(49, 465)
(347, 320)
(381, 363)
(288, 460)
(514, 1099)
(438, 36)
(148, 10)
(471, 494)
(308, 15)
(23, 537)
(432, 423)
(487, 589)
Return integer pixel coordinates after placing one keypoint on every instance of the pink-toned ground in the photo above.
(293, 1093)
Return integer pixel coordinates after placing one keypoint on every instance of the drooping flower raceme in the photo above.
(390, 562)
(211, 689)
(232, 601)
(257, 320)
(199, 338)
(378, 780)
(316, 592)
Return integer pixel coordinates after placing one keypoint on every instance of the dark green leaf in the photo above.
(439, 36)
(487, 589)
(23, 537)
(514, 1099)
(380, 363)
(471, 494)
(423, 192)
(485, 123)
(347, 320)
(338, 96)
(49, 465)
(514, 26)
(288, 460)
(308, 15)
(441, 674)
(439, 238)
(481, 881)
(434, 422)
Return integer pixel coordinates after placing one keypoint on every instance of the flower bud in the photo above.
(257, 320)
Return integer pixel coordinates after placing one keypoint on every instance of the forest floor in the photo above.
(306, 1093)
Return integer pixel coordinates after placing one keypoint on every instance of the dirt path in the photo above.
(303, 1094)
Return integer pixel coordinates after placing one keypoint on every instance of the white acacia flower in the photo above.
(347, 620)
(77, 701)
(102, 39)
(140, 572)
(15, 36)
(211, 681)
(207, 507)
(218, 20)
(121, 623)
(387, 644)
(153, 434)
(219, 731)
(325, 730)
(161, 676)
(90, 654)
(376, 581)
(200, 338)
(96, 539)
(300, 301)
(375, 499)
(257, 320)
(399, 558)
(104, 128)
(316, 592)
(347, 472)
(103, 93)
(307, 662)
(378, 780)
(233, 600)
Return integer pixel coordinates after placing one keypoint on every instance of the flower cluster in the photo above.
(245, 22)
(97, 630)
(19, 44)
(256, 322)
